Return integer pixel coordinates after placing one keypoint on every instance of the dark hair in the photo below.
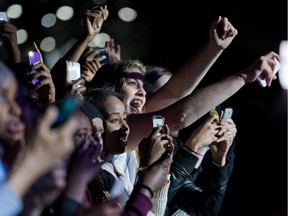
(152, 74)
(90, 110)
(97, 96)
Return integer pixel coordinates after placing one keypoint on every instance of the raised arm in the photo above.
(8, 33)
(187, 110)
(92, 25)
(221, 35)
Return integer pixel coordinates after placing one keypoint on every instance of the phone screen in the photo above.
(157, 120)
(4, 16)
(104, 54)
(34, 57)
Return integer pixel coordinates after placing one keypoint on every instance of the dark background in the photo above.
(166, 33)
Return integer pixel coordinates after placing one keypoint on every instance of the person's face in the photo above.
(134, 94)
(117, 129)
(98, 127)
(11, 127)
(84, 130)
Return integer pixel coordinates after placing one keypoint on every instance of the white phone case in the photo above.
(228, 113)
(262, 81)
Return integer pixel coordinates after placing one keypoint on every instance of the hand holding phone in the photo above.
(34, 57)
(104, 54)
(4, 16)
(73, 71)
(262, 80)
(228, 113)
(157, 120)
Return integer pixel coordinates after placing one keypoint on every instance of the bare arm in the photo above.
(9, 33)
(92, 25)
(187, 110)
(221, 34)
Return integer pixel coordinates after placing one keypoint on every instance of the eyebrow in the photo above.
(116, 113)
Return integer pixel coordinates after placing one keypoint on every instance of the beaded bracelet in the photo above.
(148, 188)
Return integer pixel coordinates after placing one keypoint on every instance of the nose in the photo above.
(98, 138)
(125, 127)
(141, 91)
(15, 108)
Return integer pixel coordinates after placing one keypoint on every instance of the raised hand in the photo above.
(45, 88)
(8, 33)
(220, 148)
(264, 66)
(204, 135)
(78, 88)
(90, 68)
(94, 19)
(153, 146)
(114, 50)
(222, 32)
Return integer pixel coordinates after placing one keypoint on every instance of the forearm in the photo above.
(76, 189)
(78, 48)
(189, 109)
(23, 176)
(185, 111)
(193, 70)
(138, 204)
(14, 53)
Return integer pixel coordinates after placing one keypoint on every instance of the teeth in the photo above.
(136, 102)
(123, 140)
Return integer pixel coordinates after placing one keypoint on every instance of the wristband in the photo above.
(196, 153)
(148, 188)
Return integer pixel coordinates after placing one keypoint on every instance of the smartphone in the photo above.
(34, 57)
(104, 53)
(228, 113)
(73, 71)
(261, 79)
(4, 16)
(67, 107)
(157, 120)
(168, 152)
